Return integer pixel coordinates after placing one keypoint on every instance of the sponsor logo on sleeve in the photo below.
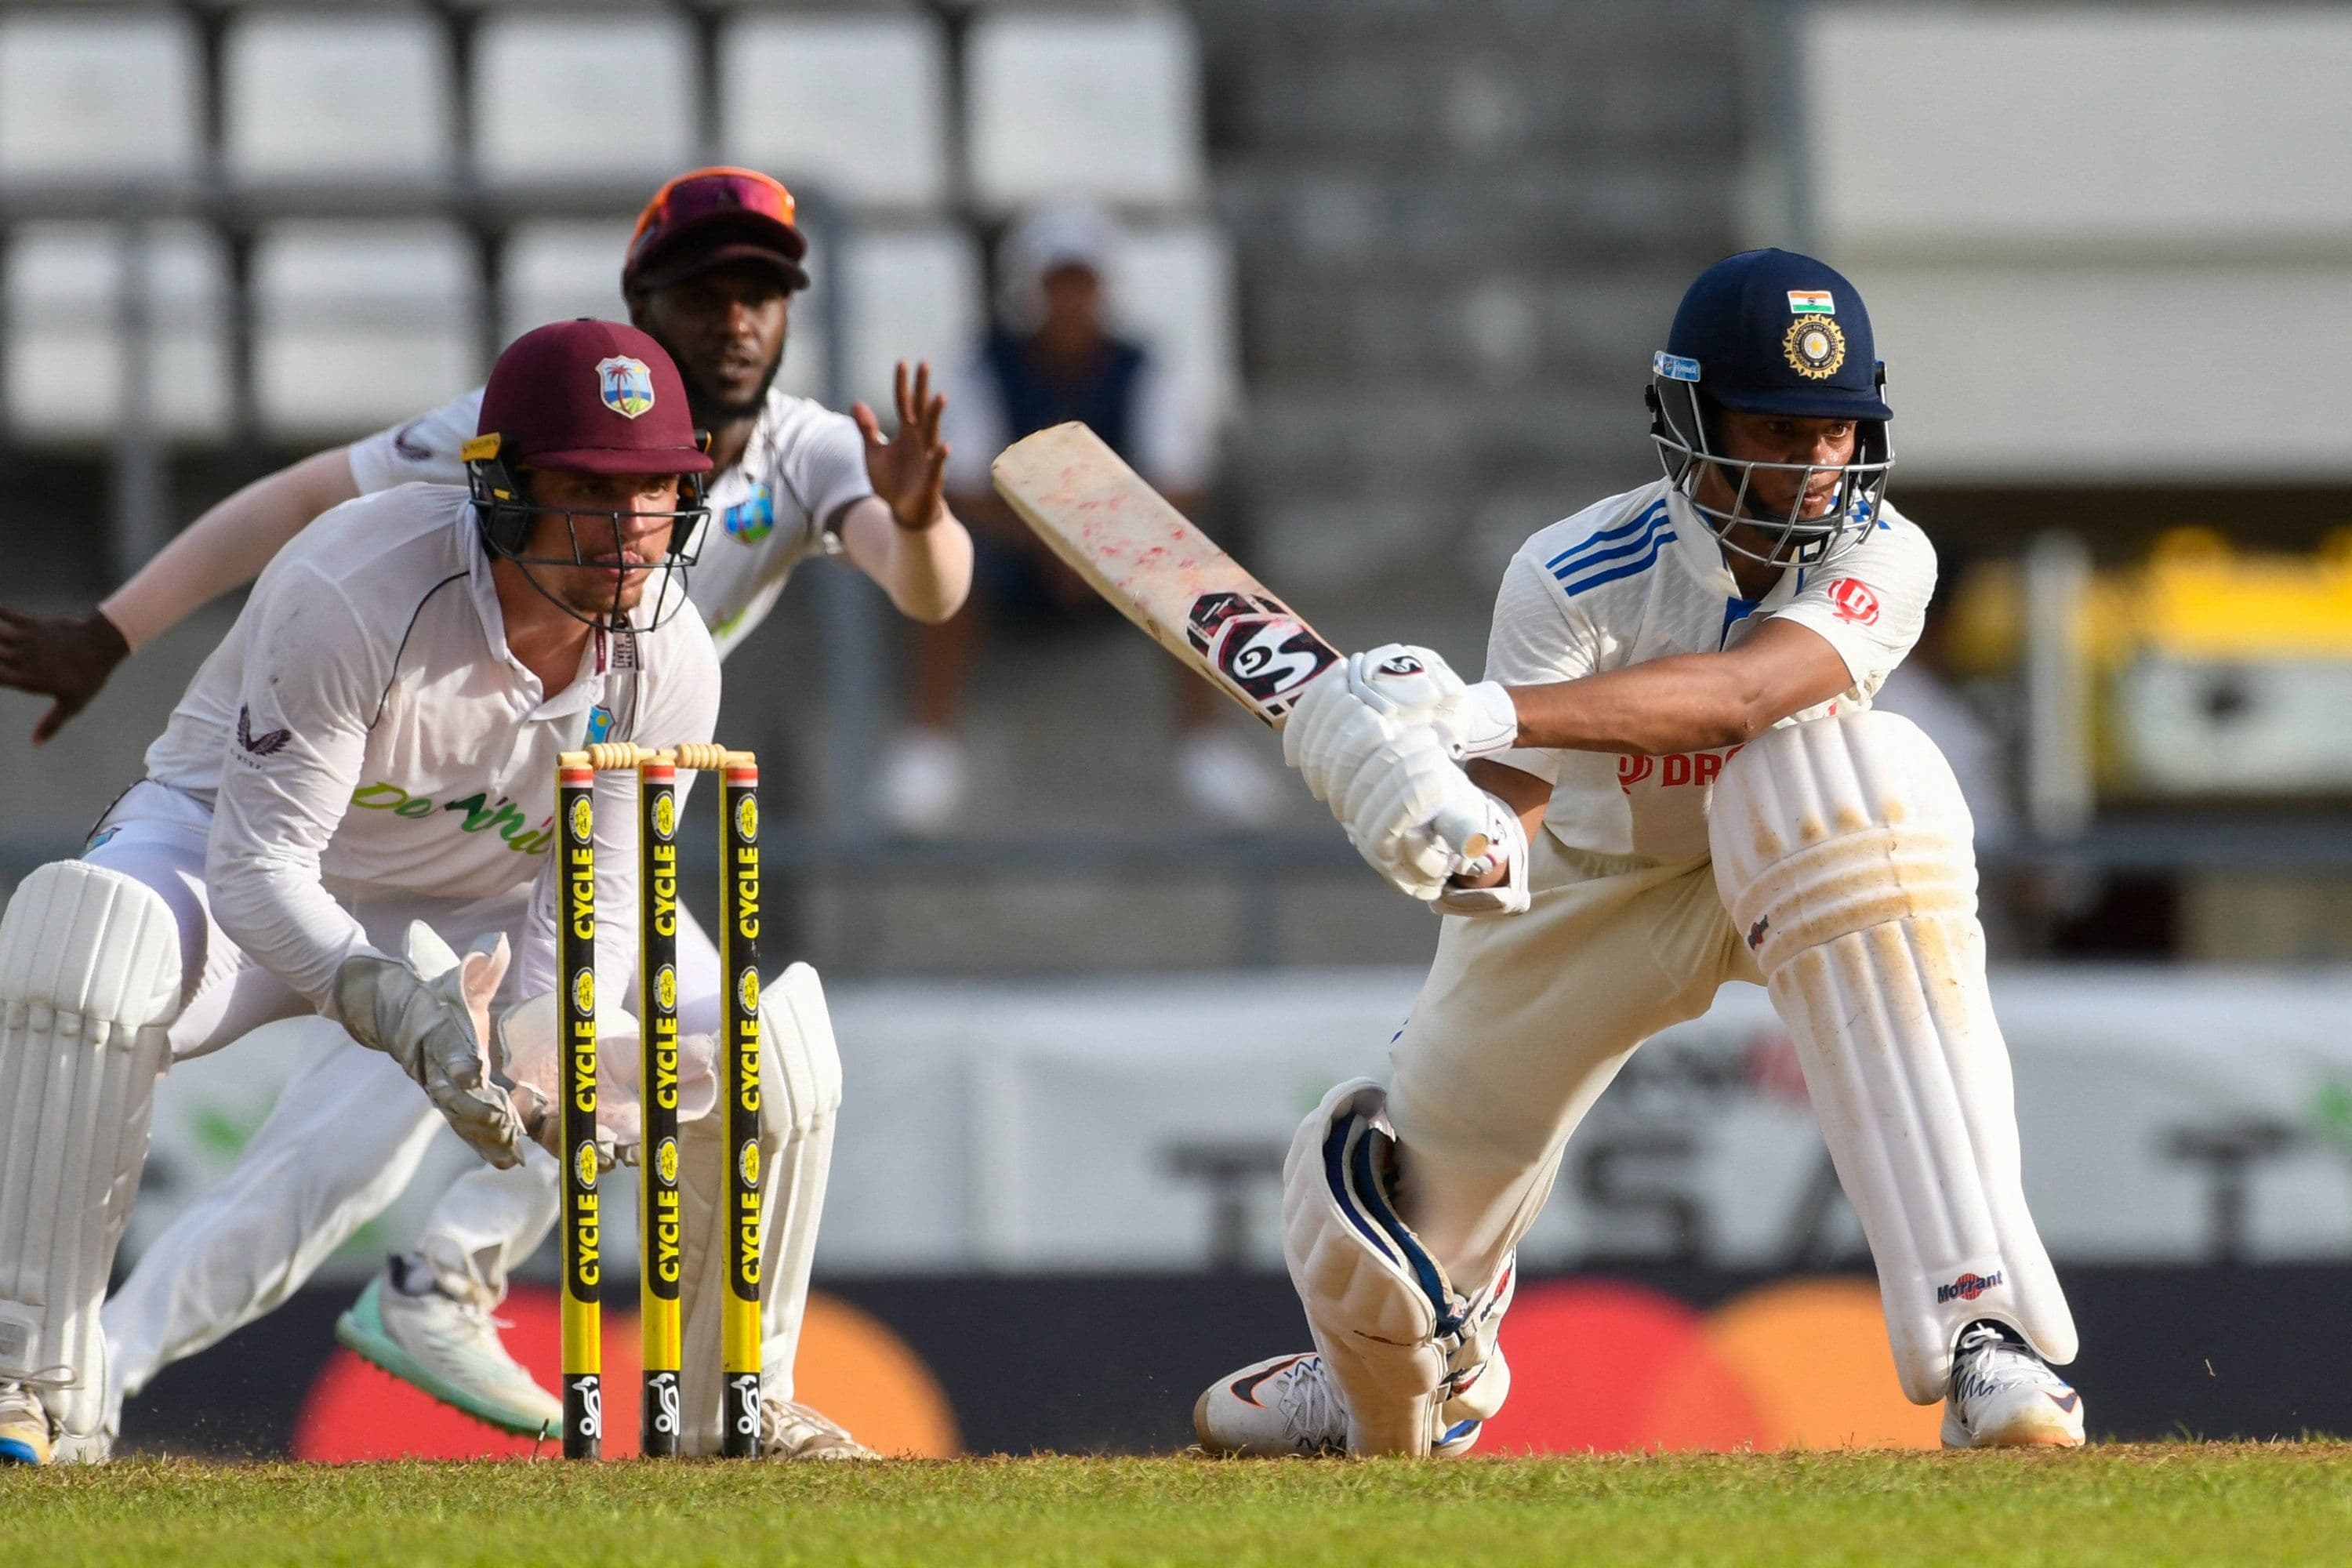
(1673, 770)
(268, 743)
(1851, 599)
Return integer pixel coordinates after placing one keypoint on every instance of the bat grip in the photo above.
(1463, 829)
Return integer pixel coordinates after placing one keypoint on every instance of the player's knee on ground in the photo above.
(1842, 848)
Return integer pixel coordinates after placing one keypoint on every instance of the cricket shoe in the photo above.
(447, 1344)
(23, 1426)
(791, 1431)
(2004, 1396)
(1288, 1404)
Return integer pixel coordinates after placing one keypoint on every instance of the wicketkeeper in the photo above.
(443, 643)
(1683, 784)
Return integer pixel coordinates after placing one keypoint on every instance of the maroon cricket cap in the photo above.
(710, 216)
(590, 398)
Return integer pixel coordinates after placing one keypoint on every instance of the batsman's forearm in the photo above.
(228, 546)
(1688, 703)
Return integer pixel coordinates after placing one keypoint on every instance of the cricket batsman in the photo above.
(1682, 784)
(709, 274)
(454, 642)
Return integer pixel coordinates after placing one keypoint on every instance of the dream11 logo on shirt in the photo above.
(1851, 599)
(1674, 770)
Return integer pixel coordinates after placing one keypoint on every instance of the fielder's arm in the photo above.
(69, 658)
(903, 535)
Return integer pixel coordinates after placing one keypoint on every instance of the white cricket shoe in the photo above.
(25, 1436)
(791, 1431)
(1223, 778)
(2004, 1396)
(1286, 1404)
(921, 783)
(448, 1344)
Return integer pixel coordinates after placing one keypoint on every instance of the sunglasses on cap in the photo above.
(707, 193)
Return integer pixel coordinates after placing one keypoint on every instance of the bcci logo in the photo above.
(747, 1164)
(626, 386)
(583, 993)
(665, 988)
(1815, 347)
(583, 1165)
(746, 991)
(665, 1162)
(582, 819)
(747, 819)
(1260, 649)
(665, 816)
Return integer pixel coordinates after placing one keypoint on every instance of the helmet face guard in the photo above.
(1683, 427)
(507, 520)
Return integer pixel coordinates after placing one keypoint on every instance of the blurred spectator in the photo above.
(1054, 357)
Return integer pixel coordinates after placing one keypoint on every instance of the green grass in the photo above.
(2187, 1504)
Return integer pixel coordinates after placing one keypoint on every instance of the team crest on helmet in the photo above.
(1815, 347)
(626, 385)
(1260, 649)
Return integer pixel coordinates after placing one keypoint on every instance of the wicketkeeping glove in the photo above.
(430, 1011)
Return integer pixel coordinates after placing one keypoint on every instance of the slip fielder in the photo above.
(1675, 758)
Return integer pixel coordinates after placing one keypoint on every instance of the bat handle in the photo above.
(1465, 831)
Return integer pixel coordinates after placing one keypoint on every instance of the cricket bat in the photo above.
(1169, 578)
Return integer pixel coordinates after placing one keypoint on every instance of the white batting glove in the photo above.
(1409, 809)
(429, 1011)
(1406, 686)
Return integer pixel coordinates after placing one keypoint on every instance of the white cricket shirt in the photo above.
(362, 734)
(769, 512)
(1639, 576)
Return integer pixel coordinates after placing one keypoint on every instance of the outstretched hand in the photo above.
(66, 658)
(909, 472)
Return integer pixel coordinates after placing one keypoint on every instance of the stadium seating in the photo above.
(557, 271)
(64, 283)
(913, 294)
(583, 96)
(327, 95)
(1098, 105)
(1173, 290)
(357, 324)
(854, 102)
(108, 93)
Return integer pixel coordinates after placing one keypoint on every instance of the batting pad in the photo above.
(1405, 1350)
(90, 980)
(1844, 850)
(800, 1100)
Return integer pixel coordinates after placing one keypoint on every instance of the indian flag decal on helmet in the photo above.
(1811, 302)
(626, 385)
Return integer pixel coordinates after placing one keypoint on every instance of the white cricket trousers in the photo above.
(1526, 1018)
(344, 1139)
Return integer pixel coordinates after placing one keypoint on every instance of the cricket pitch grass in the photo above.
(2136, 1505)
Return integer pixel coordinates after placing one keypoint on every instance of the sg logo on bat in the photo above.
(1260, 649)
